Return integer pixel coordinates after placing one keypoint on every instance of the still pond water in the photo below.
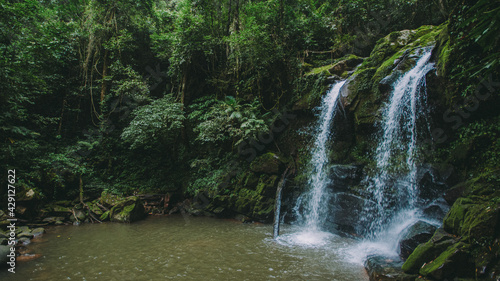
(164, 248)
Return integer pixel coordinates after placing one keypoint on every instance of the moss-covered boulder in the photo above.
(269, 163)
(468, 244)
(414, 235)
(473, 218)
(455, 261)
(128, 210)
(94, 208)
(109, 200)
(428, 251)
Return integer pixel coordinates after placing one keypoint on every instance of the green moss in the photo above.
(264, 209)
(428, 251)
(320, 70)
(128, 210)
(251, 180)
(472, 218)
(420, 255)
(387, 66)
(266, 186)
(269, 163)
(450, 263)
(105, 216)
(325, 69)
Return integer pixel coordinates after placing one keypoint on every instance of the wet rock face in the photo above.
(431, 183)
(381, 268)
(343, 176)
(435, 211)
(414, 235)
(346, 214)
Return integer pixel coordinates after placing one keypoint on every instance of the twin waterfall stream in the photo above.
(392, 186)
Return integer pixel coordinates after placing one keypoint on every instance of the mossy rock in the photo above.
(267, 186)
(250, 180)
(443, 51)
(94, 208)
(61, 209)
(129, 210)
(269, 163)
(263, 210)
(65, 203)
(342, 67)
(313, 88)
(108, 200)
(362, 100)
(472, 218)
(454, 261)
(428, 251)
(382, 268)
(245, 201)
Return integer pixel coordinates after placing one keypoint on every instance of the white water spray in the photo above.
(394, 187)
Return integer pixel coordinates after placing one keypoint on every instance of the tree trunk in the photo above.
(81, 189)
(61, 118)
(104, 84)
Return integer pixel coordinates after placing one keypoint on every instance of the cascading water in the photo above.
(394, 187)
(313, 202)
(311, 207)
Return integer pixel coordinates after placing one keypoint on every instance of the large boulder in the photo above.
(414, 235)
(128, 210)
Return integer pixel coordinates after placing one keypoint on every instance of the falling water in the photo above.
(394, 186)
(316, 198)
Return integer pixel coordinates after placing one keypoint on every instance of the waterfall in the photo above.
(315, 201)
(277, 205)
(394, 186)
